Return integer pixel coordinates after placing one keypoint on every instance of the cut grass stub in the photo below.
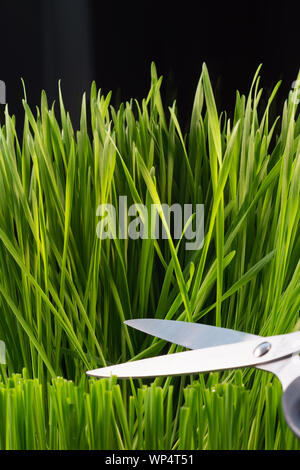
(65, 292)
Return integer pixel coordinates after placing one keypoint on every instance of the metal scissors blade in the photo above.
(228, 356)
(187, 334)
(197, 335)
(226, 349)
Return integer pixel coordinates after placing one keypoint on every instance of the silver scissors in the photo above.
(214, 349)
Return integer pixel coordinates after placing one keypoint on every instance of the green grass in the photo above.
(64, 293)
(96, 415)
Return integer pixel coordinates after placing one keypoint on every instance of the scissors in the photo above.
(214, 349)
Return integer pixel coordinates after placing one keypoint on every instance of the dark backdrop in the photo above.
(114, 43)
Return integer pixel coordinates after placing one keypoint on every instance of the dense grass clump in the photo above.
(97, 415)
(64, 292)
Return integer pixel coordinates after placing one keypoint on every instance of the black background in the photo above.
(113, 43)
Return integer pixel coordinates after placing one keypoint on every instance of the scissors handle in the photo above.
(291, 406)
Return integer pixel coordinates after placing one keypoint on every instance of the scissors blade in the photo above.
(189, 335)
(229, 356)
(286, 369)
